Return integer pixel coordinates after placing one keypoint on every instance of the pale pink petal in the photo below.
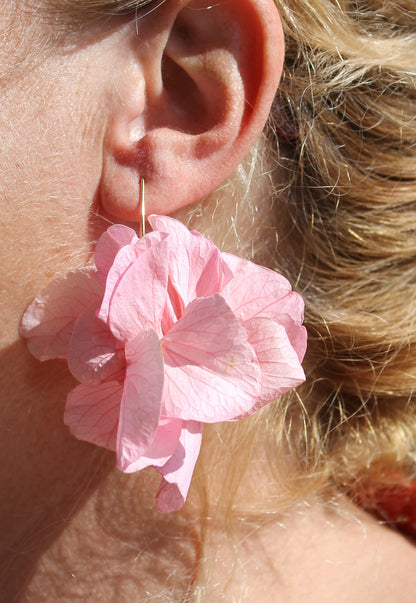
(173, 309)
(113, 259)
(94, 355)
(196, 267)
(211, 370)
(258, 291)
(142, 398)
(136, 302)
(163, 446)
(48, 322)
(108, 246)
(168, 225)
(215, 275)
(178, 471)
(297, 335)
(279, 360)
(125, 258)
(92, 412)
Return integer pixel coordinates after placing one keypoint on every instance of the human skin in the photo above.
(49, 149)
(71, 525)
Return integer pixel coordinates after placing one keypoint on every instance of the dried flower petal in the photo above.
(49, 321)
(212, 373)
(166, 334)
(92, 413)
(142, 398)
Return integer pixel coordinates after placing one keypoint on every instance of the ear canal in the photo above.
(210, 75)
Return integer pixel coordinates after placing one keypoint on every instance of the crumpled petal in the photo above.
(165, 442)
(177, 472)
(212, 373)
(115, 238)
(138, 299)
(117, 248)
(258, 291)
(165, 334)
(197, 268)
(297, 335)
(279, 361)
(92, 412)
(49, 321)
(142, 398)
(94, 355)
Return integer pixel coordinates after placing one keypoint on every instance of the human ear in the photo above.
(194, 93)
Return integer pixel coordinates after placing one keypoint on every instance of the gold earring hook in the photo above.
(142, 225)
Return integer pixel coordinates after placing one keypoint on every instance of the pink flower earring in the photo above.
(166, 333)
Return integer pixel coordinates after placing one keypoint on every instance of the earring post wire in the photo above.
(142, 225)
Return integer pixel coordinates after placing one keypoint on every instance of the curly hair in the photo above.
(346, 111)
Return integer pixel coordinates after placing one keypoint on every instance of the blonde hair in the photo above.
(348, 94)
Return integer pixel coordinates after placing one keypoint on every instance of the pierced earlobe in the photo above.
(205, 82)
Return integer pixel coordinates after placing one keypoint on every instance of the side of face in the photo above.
(53, 123)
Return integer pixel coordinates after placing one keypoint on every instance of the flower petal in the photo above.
(119, 239)
(178, 471)
(92, 412)
(142, 399)
(125, 258)
(165, 442)
(196, 267)
(258, 291)
(109, 244)
(94, 355)
(136, 301)
(279, 360)
(211, 370)
(297, 334)
(49, 321)
(168, 225)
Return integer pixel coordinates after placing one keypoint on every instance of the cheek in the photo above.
(52, 127)
(40, 242)
(50, 167)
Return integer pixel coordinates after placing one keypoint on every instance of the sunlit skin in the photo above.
(71, 524)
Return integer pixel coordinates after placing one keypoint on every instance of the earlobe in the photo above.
(196, 97)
